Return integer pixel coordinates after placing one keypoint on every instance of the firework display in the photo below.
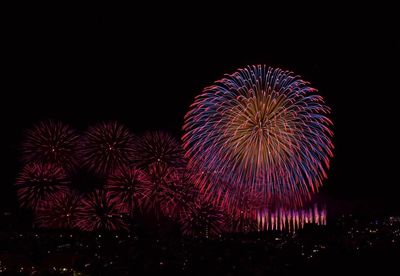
(98, 211)
(50, 141)
(106, 146)
(260, 127)
(156, 147)
(130, 186)
(41, 182)
(256, 148)
(59, 213)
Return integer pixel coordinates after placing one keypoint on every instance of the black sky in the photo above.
(87, 66)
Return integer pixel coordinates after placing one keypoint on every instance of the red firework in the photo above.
(99, 212)
(203, 220)
(163, 180)
(50, 141)
(156, 147)
(129, 186)
(184, 196)
(106, 146)
(243, 211)
(41, 182)
(59, 213)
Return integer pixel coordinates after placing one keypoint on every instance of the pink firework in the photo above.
(99, 212)
(59, 213)
(106, 146)
(203, 220)
(51, 142)
(39, 183)
(130, 186)
(156, 147)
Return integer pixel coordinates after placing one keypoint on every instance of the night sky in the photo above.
(96, 65)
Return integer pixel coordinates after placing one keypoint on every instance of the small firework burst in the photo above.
(203, 220)
(243, 211)
(163, 180)
(59, 213)
(105, 147)
(130, 186)
(156, 147)
(41, 182)
(99, 212)
(51, 142)
(184, 196)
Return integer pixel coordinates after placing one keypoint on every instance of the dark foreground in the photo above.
(347, 245)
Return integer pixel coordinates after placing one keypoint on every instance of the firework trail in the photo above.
(98, 211)
(41, 182)
(59, 213)
(290, 219)
(50, 142)
(105, 147)
(260, 127)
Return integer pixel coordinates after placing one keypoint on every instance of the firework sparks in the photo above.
(290, 219)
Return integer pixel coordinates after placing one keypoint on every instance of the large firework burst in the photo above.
(50, 141)
(260, 127)
(59, 213)
(41, 182)
(158, 147)
(106, 146)
(130, 186)
(99, 212)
